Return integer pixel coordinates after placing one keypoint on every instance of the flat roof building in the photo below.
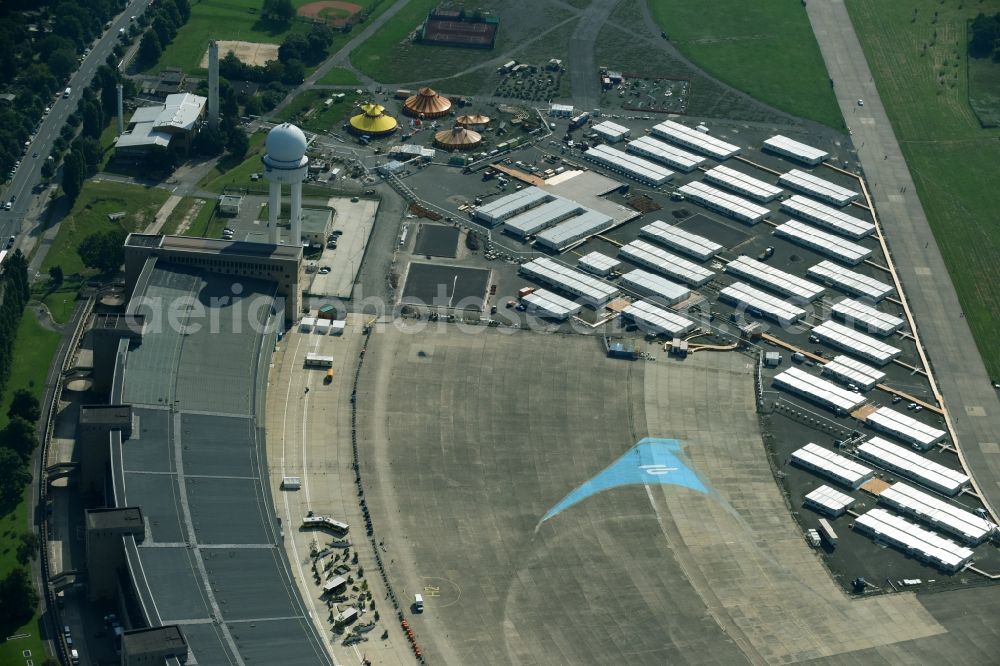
(796, 150)
(162, 125)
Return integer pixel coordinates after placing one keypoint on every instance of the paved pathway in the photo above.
(958, 368)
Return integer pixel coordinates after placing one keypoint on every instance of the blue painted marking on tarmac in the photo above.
(651, 461)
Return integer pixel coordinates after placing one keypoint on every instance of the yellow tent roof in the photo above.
(373, 120)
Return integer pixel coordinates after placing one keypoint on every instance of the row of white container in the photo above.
(699, 141)
(661, 261)
(774, 279)
(725, 203)
(818, 390)
(912, 539)
(690, 244)
(814, 186)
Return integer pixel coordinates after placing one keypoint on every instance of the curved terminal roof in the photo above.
(457, 138)
(427, 104)
(286, 143)
(373, 120)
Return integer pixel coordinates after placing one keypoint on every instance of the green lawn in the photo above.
(766, 49)
(953, 160)
(339, 76)
(60, 301)
(228, 173)
(308, 110)
(207, 224)
(33, 352)
(90, 215)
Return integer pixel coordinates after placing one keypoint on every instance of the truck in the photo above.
(826, 531)
(579, 121)
(329, 371)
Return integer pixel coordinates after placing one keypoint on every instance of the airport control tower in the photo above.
(285, 162)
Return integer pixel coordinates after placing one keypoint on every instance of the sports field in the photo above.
(765, 49)
(953, 160)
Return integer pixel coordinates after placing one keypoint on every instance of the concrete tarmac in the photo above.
(961, 376)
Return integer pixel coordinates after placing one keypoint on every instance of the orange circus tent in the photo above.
(457, 138)
(426, 104)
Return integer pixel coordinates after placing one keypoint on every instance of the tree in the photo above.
(282, 11)
(164, 30)
(27, 548)
(210, 141)
(238, 143)
(61, 63)
(985, 36)
(74, 168)
(295, 72)
(56, 275)
(19, 436)
(150, 48)
(93, 118)
(91, 151)
(14, 478)
(24, 405)
(295, 47)
(104, 251)
(253, 106)
(18, 598)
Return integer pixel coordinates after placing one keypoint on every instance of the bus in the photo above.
(318, 361)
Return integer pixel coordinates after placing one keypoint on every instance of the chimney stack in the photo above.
(121, 117)
(213, 83)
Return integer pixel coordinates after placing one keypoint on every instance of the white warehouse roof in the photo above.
(795, 149)
(818, 390)
(911, 464)
(831, 465)
(862, 315)
(580, 284)
(540, 217)
(653, 317)
(661, 261)
(611, 131)
(741, 183)
(852, 371)
(851, 282)
(680, 240)
(574, 229)
(803, 181)
(936, 512)
(656, 286)
(827, 217)
(663, 152)
(828, 500)
(741, 294)
(724, 202)
(913, 540)
(629, 165)
(859, 344)
(703, 143)
(547, 304)
(822, 242)
(506, 207)
(777, 280)
(906, 428)
(597, 263)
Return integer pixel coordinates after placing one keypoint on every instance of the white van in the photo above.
(418, 603)
(74, 656)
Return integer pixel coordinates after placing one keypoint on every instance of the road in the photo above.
(961, 376)
(30, 172)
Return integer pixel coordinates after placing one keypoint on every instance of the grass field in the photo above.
(33, 351)
(984, 90)
(60, 301)
(90, 215)
(309, 111)
(339, 76)
(766, 49)
(229, 174)
(952, 159)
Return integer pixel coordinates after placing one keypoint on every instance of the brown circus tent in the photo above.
(473, 121)
(457, 138)
(426, 104)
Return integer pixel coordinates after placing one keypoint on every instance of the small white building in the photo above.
(229, 204)
(561, 110)
(611, 132)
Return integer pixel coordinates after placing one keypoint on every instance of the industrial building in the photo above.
(741, 183)
(917, 434)
(801, 152)
(655, 286)
(826, 217)
(907, 462)
(831, 465)
(598, 264)
(915, 541)
(742, 295)
(544, 303)
(533, 220)
(818, 390)
(500, 210)
(853, 342)
(825, 499)
(592, 291)
(661, 261)
(850, 282)
(774, 279)
(573, 230)
(650, 317)
(814, 186)
(629, 165)
(172, 123)
(611, 132)
(699, 141)
(723, 202)
(937, 513)
(863, 316)
(851, 371)
(678, 239)
(822, 242)
(664, 153)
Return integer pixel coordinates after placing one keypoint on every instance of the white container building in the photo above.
(611, 132)
(706, 144)
(814, 186)
(863, 316)
(654, 286)
(591, 290)
(829, 218)
(850, 282)
(628, 165)
(774, 279)
(913, 540)
(741, 183)
(820, 241)
(829, 501)
(907, 462)
(795, 150)
(544, 303)
(724, 202)
(917, 434)
(661, 261)
(650, 317)
(859, 344)
(818, 390)
(535, 219)
(937, 513)
(504, 208)
(831, 465)
(598, 264)
(851, 371)
(573, 230)
(761, 303)
(673, 157)
(683, 241)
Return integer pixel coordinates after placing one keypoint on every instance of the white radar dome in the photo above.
(286, 143)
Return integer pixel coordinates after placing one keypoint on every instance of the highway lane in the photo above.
(19, 219)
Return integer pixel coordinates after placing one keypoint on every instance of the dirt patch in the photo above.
(334, 12)
(251, 53)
